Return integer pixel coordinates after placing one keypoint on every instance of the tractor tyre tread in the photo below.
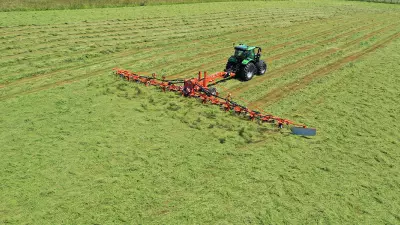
(250, 68)
(261, 67)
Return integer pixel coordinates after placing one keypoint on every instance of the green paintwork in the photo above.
(246, 61)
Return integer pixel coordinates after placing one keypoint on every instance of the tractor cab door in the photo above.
(250, 54)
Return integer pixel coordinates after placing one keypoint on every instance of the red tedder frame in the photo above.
(199, 88)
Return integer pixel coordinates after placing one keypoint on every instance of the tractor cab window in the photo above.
(244, 53)
(250, 54)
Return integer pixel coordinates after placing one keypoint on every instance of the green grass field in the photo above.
(80, 146)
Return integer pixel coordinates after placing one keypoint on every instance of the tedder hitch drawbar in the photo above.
(199, 88)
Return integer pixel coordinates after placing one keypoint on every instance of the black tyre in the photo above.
(248, 71)
(261, 67)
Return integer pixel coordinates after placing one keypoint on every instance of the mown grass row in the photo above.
(68, 58)
(118, 37)
(135, 39)
(194, 37)
(217, 52)
(129, 15)
(121, 34)
(195, 60)
(162, 63)
(151, 22)
(26, 5)
(144, 33)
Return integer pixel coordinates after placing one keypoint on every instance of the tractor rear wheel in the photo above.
(248, 71)
(261, 67)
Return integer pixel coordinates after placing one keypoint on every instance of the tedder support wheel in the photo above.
(248, 71)
(261, 67)
(212, 91)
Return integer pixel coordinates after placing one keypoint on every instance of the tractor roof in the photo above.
(244, 47)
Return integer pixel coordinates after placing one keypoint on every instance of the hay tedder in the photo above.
(244, 64)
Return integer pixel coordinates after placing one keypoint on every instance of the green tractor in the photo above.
(246, 63)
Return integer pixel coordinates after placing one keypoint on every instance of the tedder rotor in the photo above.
(244, 64)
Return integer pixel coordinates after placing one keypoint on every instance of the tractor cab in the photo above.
(246, 62)
(243, 52)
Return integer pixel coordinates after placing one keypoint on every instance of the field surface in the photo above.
(80, 146)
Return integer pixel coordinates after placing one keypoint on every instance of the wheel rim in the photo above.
(249, 75)
(262, 71)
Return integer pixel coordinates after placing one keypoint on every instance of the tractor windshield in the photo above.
(239, 53)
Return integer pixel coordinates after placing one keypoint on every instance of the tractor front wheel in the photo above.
(229, 66)
(261, 67)
(248, 71)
